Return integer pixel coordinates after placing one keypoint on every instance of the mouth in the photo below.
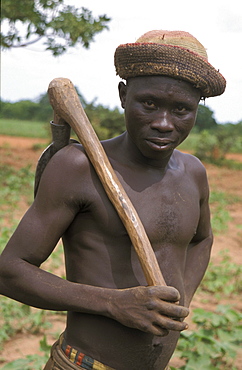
(160, 144)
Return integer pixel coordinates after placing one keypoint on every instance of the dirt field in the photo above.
(19, 152)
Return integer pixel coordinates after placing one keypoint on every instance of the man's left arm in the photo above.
(199, 249)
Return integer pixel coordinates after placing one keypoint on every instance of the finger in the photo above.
(167, 323)
(173, 310)
(168, 309)
(165, 293)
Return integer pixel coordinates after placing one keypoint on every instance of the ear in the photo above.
(122, 88)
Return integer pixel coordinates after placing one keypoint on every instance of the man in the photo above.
(114, 320)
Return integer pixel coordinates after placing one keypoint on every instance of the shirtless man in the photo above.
(114, 320)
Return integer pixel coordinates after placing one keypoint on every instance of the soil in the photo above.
(20, 152)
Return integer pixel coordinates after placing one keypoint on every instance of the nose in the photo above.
(162, 122)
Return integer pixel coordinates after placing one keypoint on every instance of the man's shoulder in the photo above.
(67, 165)
(191, 165)
(66, 177)
(189, 160)
(195, 171)
(72, 155)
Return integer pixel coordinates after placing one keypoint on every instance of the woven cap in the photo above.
(176, 54)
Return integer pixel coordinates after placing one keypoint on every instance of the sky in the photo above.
(217, 24)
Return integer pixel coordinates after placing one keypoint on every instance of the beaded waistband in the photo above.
(78, 358)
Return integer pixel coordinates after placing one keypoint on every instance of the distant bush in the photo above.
(106, 122)
(205, 119)
(213, 145)
(24, 110)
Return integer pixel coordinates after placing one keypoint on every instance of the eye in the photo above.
(149, 104)
(180, 109)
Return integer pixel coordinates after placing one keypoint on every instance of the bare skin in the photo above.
(112, 315)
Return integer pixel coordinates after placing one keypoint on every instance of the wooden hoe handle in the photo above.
(65, 102)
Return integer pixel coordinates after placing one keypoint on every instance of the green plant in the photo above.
(205, 118)
(14, 185)
(220, 219)
(219, 214)
(17, 317)
(219, 202)
(228, 163)
(31, 362)
(190, 143)
(214, 343)
(223, 279)
(55, 261)
(5, 235)
(213, 146)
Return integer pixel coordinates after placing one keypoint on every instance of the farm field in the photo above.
(225, 184)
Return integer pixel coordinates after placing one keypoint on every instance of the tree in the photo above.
(205, 119)
(60, 26)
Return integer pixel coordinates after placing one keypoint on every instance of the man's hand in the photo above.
(154, 310)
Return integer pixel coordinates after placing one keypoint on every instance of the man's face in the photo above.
(160, 112)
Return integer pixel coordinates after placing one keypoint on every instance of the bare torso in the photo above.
(99, 252)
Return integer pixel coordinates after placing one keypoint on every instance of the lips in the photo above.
(159, 143)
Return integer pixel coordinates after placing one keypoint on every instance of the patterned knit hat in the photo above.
(175, 54)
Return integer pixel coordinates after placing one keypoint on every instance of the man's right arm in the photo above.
(56, 204)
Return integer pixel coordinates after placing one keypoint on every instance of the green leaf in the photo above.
(44, 346)
(199, 363)
(19, 364)
(30, 362)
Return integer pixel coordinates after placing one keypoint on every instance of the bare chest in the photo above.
(169, 209)
(170, 216)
